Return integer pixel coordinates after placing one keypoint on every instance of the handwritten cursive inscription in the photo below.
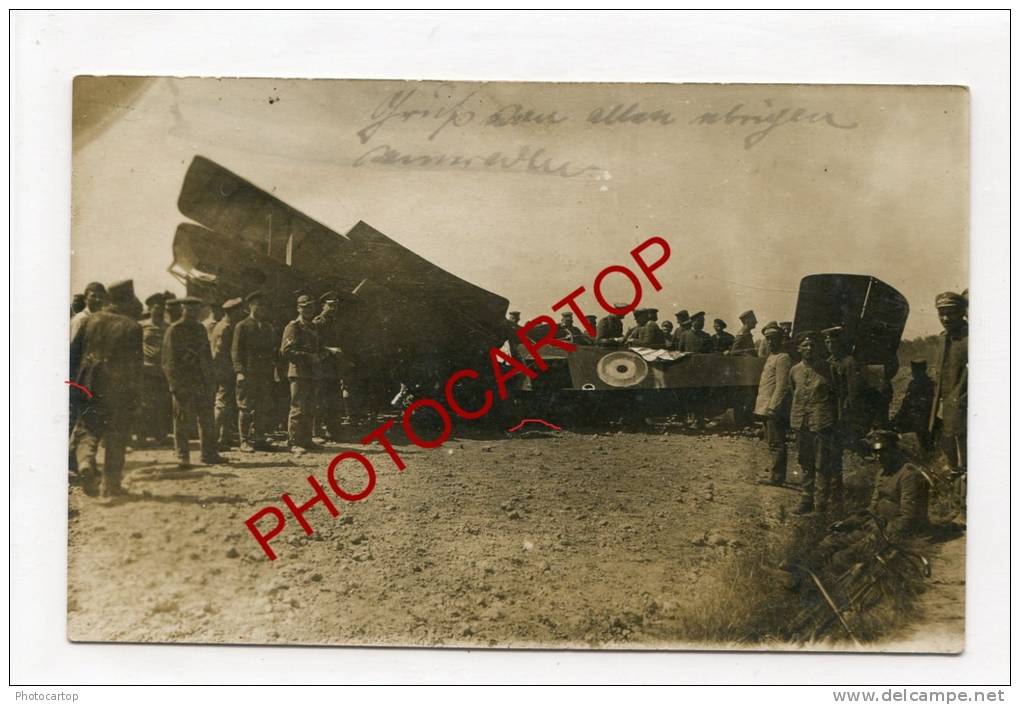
(771, 120)
(527, 160)
(399, 107)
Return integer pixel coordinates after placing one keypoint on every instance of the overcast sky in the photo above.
(868, 180)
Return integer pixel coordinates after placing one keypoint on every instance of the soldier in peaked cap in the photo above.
(566, 328)
(221, 343)
(187, 363)
(743, 342)
(253, 354)
(609, 330)
(773, 401)
(912, 416)
(900, 497)
(813, 417)
(640, 319)
(329, 407)
(156, 413)
(106, 358)
(648, 334)
(845, 379)
(694, 339)
(948, 415)
(302, 350)
(722, 341)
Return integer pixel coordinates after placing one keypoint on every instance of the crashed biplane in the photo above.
(402, 318)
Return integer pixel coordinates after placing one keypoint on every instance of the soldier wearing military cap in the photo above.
(912, 416)
(813, 417)
(329, 407)
(302, 350)
(187, 363)
(640, 319)
(567, 329)
(609, 330)
(221, 344)
(773, 401)
(648, 334)
(253, 354)
(216, 314)
(845, 377)
(156, 416)
(692, 337)
(900, 496)
(722, 341)
(106, 358)
(948, 415)
(743, 342)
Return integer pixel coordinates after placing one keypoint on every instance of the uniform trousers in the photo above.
(775, 436)
(225, 409)
(189, 407)
(93, 427)
(815, 453)
(254, 396)
(303, 391)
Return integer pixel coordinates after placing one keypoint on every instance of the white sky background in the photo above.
(887, 198)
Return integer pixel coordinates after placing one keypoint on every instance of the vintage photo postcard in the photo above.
(518, 365)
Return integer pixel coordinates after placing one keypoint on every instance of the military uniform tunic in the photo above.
(609, 327)
(106, 358)
(813, 417)
(225, 406)
(950, 401)
(300, 348)
(188, 366)
(901, 499)
(156, 413)
(253, 353)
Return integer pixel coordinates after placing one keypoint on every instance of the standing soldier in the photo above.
(216, 313)
(221, 345)
(640, 319)
(566, 328)
(648, 334)
(683, 324)
(300, 348)
(948, 414)
(253, 353)
(106, 358)
(912, 416)
(330, 399)
(743, 343)
(187, 363)
(773, 402)
(722, 340)
(609, 331)
(844, 377)
(694, 339)
(155, 402)
(77, 304)
(813, 417)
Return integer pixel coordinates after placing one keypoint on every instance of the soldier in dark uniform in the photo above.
(253, 353)
(330, 400)
(813, 417)
(106, 358)
(948, 416)
(912, 416)
(301, 349)
(845, 380)
(221, 346)
(609, 331)
(640, 319)
(648, 334)
(188, 366)
(743, 343)
(156, 414)
(721, 341)
(173, 308)
(216, 313)
(566, 328)
(900, 497)
(683, 324)
(694, 339)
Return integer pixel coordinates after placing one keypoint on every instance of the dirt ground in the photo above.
(536, 539)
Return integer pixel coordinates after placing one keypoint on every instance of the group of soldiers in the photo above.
(170, 372)
(820, 395)
(687, 335)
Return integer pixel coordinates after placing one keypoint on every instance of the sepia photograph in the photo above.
(616, 366)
